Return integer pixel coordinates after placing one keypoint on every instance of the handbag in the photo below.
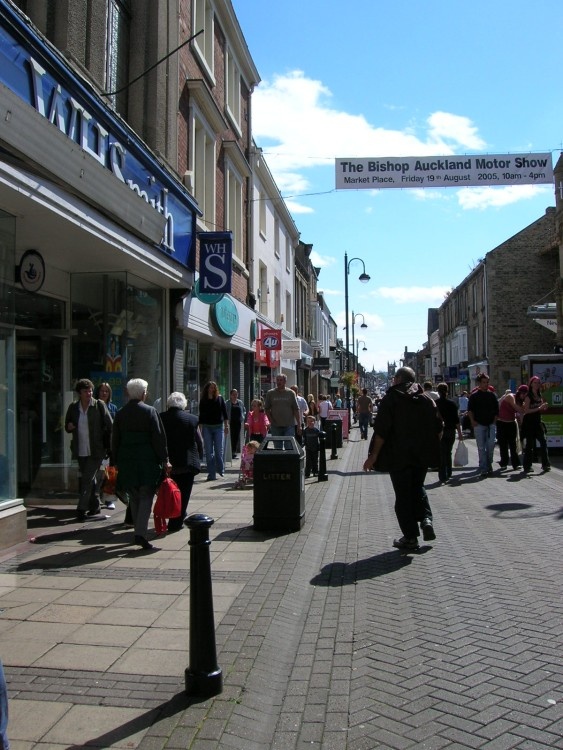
(110, 478)
(168, 504)
(461, 455)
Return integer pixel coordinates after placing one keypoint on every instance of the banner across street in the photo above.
(443, 171)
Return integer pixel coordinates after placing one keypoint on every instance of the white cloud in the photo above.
(298, 129)
(496, 197)
(408, 294)
(322, 261)
(445, 126)
(332, 292)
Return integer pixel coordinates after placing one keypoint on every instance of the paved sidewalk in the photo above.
(327, 637)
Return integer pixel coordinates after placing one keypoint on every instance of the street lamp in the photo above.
(364, 278)
(364, 349)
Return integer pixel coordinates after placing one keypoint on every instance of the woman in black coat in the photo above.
(185, 450)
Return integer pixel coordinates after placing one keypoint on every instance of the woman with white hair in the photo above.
(185, 450)
(140, 452)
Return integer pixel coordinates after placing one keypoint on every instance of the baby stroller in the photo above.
(246, 474)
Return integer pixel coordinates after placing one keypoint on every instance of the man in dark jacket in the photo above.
(185, 450)
(140, 452)
(89, 423)
(409, 425)
(483, 412)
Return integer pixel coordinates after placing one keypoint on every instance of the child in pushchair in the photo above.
(246, 474)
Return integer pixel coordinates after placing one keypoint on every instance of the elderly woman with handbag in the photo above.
(185, 449)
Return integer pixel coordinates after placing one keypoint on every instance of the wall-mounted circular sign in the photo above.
(224, 315)
(207, 298)
(32, 271)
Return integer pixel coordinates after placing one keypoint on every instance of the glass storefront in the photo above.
(118, 332)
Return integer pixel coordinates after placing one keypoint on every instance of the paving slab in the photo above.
(326, 637)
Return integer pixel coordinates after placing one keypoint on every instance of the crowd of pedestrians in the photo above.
(414, 429)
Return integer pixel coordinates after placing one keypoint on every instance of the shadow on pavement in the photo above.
(347, 574)
(115, 737)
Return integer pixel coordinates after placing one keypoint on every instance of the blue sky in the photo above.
(373, 78)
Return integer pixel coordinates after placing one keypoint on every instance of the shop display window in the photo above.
(117, 332)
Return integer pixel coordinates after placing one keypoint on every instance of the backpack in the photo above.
(168, 504)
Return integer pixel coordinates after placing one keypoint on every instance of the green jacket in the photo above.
(99, 428)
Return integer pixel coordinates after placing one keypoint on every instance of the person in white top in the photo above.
(325, 406)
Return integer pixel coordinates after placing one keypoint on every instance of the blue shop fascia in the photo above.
(97, 250)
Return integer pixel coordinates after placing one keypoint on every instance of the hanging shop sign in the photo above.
(215, 262)
(444, 171)
(40, 76)
(271, 339)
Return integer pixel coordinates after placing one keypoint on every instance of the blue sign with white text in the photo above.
(215, 262)
(40, 76)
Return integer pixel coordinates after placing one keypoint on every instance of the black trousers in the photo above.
(185, 482)
(507, 434)
(446, 445)
(411, 501)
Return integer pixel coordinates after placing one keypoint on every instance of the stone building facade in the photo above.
(484, 325)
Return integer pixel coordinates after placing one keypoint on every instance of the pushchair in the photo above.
(246, 474)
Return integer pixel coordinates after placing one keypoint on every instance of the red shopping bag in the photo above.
(168, 503)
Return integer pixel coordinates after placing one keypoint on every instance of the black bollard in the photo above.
(323, 476)
(333, 441)
(203, 676)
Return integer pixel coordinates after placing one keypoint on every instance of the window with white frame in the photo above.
(233, 209)
(117, 53)
(203, 150)
(203, 44)
(232, 89)
(288, 254)
(262, 213)
(277, 236)
(277, 301)
(288, 311)
(263, 289)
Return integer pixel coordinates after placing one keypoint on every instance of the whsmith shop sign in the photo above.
(444, 171)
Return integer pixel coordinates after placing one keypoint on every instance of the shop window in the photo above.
(117, 322)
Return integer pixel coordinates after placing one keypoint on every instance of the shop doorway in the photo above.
(39, 414)
(41, 348)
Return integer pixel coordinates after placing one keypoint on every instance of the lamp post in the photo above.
(364, 349)
(364, 278)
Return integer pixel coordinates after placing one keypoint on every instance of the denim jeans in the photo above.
(485, 436)
(411, 500)
(278, 431)
(363, 420)
(213, 439)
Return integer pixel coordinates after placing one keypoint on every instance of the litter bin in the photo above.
(328, 430)
(279, 485)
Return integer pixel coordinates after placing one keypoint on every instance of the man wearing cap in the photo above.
(483, 412)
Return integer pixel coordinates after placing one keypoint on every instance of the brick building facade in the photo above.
(484, 325)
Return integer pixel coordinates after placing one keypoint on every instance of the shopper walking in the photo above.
(406, 442)
(507, 430)
(140, 452)
(214, 422)
(90, 424)
(185, 449)
(450, 417)
(532, 426)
